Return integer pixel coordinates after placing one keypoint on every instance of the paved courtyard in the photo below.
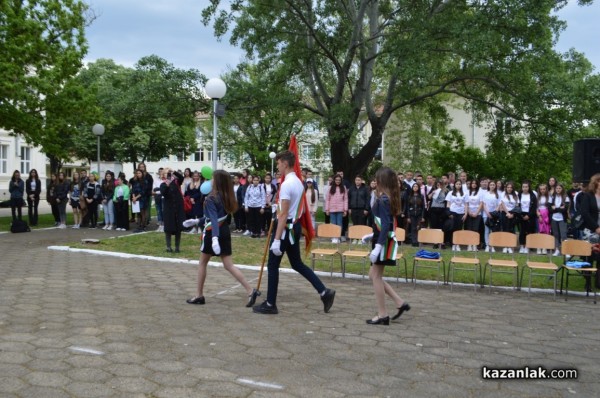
(82, 325)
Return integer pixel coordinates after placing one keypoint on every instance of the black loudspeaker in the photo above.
(586, 159)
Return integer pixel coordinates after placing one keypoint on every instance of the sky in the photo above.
(127, 30)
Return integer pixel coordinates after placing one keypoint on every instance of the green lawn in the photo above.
(250, 251)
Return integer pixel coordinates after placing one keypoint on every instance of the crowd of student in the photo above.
(482, 205)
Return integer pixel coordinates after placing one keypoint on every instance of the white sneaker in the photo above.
(556, 253)
(493, 249)
(105, 227)
(487, 249)
(335, 241)
(246, 233)
(523, 250)
(505, 250)
(544, 251)
(74, 226)
(457, 248)
(110, 228)
(509, 250)
(158, 229)
(62, 226)
(538, 251)
(453, 247)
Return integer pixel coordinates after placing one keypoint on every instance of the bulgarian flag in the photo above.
(308, 229)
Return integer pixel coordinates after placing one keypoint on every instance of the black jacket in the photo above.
(532, 205)
(173, 213)
(589, 210)
(358, 198)
(36, 192)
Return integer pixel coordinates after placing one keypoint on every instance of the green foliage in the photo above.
(149, 112)
(42, 45)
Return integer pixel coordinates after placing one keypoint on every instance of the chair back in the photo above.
(358, 231)
(503, 239)
(400, 235)
(464, 237)
(539, 241)
(329, 231)
(431, 236)
(573, 247)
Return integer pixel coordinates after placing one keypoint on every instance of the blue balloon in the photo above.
(206, 187)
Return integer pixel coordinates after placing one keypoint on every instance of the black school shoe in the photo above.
(327, 299)
(196, 300)
(264, 308)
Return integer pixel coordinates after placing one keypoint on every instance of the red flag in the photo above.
(308, 229)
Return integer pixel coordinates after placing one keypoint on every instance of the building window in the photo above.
(3, 159)
(199, 155)
(25, 159)
(308, 152)
(209, 157)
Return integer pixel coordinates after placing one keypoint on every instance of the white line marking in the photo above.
(260, 384)
(86, 350)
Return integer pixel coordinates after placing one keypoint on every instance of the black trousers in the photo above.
(526, 227)
(15, 208)
(122, 214)
(254, 220)
(32, 210)
(358, 217)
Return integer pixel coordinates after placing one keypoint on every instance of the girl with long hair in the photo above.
(491, 202)
(33, 188)
(271, 192)
(552, 182)
(92, 195)
(121, 203)
(138, 190)
(108, 192)
(508, 218)
(437, 209)
(216, 237)
(457, 204)
(474, 209)
(414, 208)
(559, 208)
(386, 207)
(528, 202)
(543, 212)
(16, 188)
(75, 199)
(336, 202)
(51, 198)
(312, 198)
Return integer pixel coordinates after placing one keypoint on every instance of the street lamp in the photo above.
(272, 156)
(98, 131)
(215, 88)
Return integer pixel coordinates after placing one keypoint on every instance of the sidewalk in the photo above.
(79, 325)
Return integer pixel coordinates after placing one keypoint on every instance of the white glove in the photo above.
(375, 253)
(367, 238)
(215, 245)
(276, 247)
(192, 222)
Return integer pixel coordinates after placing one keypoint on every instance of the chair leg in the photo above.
(451, 272)
(475, 279)
(414, 274)
(567, 286)
(555, 278)
(405, 269)
(529, 291)
(491, 272)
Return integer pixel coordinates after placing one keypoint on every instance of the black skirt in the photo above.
(379, 262)
(224, 241)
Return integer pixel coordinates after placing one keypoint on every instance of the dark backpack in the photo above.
(18, 226)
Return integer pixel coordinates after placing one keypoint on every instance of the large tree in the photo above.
(375, 57)
(42, 44)
(149, 112)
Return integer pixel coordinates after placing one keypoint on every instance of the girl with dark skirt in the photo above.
(121, 202)
(386, 208)
(33, 188)
(216, 237)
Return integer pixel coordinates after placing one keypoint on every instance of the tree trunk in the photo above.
(341, 159)
(55, 164)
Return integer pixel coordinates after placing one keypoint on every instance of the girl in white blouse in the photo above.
(474, 209)
(559, 207)
(507, 204)
(457, 203)
(491, 202)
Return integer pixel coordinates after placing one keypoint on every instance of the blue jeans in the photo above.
(336, 218)
(109, 212)
(293, 254)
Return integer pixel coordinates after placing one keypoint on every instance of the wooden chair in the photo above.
(468, 238)
(579, 248)
(328, 232)
(538, 242)
(435, 237)
(502, 239)
(400, 237)
(361, 253)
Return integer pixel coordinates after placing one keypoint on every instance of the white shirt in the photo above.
(457, 203)
(474, 201)
(292, 189)
(525, 202)
(558, 216)
(490, 202)
(509, 202)
(542, 202)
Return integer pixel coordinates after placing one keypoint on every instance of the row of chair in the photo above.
(533, 264)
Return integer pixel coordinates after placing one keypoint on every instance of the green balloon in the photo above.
(207, 172)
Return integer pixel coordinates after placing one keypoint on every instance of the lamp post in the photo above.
(215, 88)
(98, 131)
(272, 156)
